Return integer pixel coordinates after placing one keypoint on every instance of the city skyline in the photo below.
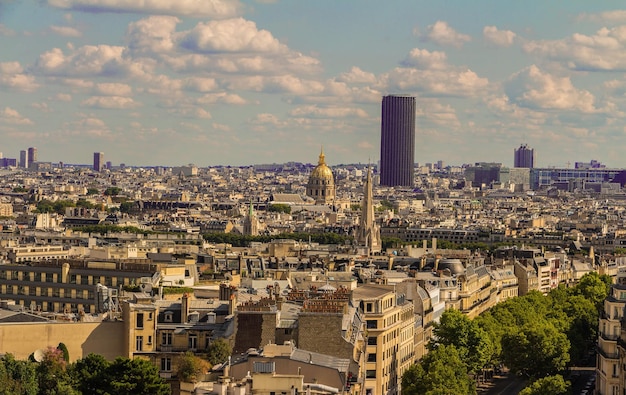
(248, 82)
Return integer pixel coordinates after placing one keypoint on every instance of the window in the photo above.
(166, 338)
(372, 324)
(49, 277)
(368, 308)
(371, 357)
(149, 340)
(192, 341)
(139, 343)
(370, 374)
(371, 341)
(139, 320)
(168, 316)
(166, 364)
(150, 316)
(72, 279)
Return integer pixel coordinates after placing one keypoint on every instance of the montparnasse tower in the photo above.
(321, 185)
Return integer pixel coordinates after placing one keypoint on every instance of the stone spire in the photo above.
(369, 231)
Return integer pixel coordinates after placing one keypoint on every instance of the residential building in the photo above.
(390, 347)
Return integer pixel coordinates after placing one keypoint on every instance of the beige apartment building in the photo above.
(390, 325)
(610, 378)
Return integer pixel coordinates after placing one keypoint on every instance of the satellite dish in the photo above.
(39, 355)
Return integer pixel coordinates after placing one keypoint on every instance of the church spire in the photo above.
(322, 160)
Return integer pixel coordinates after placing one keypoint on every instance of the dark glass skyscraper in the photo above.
(524, 157)
(397, 140)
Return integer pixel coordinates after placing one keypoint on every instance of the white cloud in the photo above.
(89, 60)
(113, 89)
(433, 112)
(221, 97)
(12, 76)
(357, 76)
(231, 35)
(453, 82)
(441, 33)
(64, 97)
(110, 102)
(603, 51)
(11, 116)
(188, 8)
(66, 31)
(535, 89)
(328, 112)
(615, 16)
(154, 34)
(501, 38)
(424, 59)
(200, 84)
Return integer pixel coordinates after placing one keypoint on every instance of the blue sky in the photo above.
(242, 82)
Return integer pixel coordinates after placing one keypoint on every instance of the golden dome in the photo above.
(322, 171)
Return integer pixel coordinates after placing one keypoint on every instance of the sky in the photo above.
(234, 82)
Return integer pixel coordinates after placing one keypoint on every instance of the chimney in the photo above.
(184, 308)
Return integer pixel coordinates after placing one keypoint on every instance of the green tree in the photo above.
(472, 342)
(64, 351)
(553, 385)
(127, 207)
(280, 208)
(134, 376)
(93, 191)
(112, 191)
(219, 351)
(441, 372)
(536, 350)
(52, 374)
(89, 374)
(594, 287)
(17, 377)
(190, 367)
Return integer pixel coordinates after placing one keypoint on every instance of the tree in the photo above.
(594, 287)
(92, 191)
(190, 367)
(134, 376)
(553, 385)
(89, 374)
(441, 372)
(17, 377)
(65, 352)
(112, 191)
(536, 350)
(219, 351)
(472, 342)
(280, 208)
(52, 374)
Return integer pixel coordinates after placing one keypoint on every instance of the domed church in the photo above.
(321, 186)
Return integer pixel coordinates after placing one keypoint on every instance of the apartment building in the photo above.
(390, 348)
(610, 377)
(69, 285)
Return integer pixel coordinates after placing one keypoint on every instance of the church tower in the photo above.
(251, 223)
(321, 186)
(369, 231)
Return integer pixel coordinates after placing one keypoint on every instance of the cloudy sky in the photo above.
(234, 82)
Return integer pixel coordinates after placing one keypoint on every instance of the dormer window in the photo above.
(168, 316)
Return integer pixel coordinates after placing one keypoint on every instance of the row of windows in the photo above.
(46, 291)
(57, 278)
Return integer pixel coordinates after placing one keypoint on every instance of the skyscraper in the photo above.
(98, 161)
(32, 156)
(397, 141)
(524, 157)
(24, 159)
